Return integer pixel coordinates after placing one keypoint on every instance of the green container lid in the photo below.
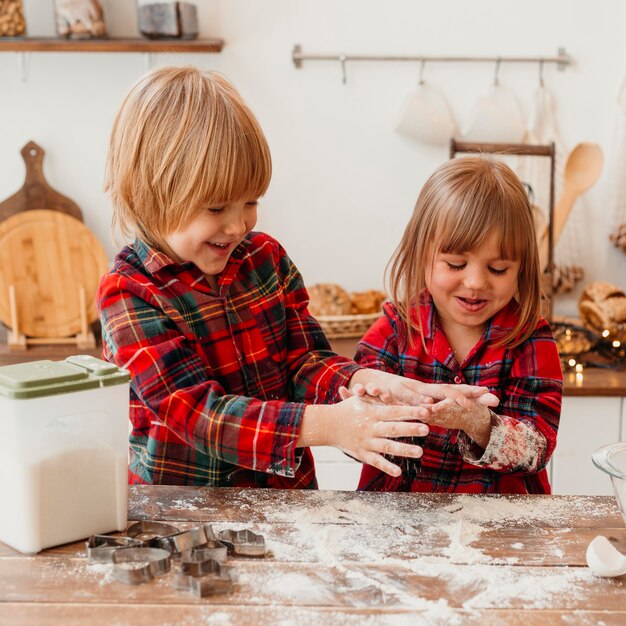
(48, 378)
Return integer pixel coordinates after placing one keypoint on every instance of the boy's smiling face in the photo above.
(209, 239)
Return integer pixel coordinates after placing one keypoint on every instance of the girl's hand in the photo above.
(365, 429)
(394, 389)
(474, 420)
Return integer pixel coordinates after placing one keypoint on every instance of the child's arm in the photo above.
(365, 429)
(317, 372)
(522, 435)
(175, 384)
(391, 388)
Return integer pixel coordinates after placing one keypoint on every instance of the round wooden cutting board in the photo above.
(48, 256)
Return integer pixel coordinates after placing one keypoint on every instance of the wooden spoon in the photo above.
(541, 228)
(582, 170)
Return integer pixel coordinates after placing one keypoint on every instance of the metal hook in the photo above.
(496, 79)
(149, 60)
(422, 66)
(342, 59)
(23, 61)
(541, 84)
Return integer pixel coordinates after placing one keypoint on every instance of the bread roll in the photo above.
(367, 302)
(329, 299)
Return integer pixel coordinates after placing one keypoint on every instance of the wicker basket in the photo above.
(346, 326)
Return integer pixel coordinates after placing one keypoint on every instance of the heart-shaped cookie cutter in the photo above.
(133, 566)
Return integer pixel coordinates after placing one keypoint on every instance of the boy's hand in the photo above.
(365, 429)
(394, 389)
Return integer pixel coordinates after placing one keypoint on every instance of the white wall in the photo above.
(344, 183)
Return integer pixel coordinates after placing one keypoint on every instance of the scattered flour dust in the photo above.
(103, 570)
(190, 504)
(383, 537)
(461, 534)
(326, 530)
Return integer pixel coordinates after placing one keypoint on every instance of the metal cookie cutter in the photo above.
(215, 578)
(243, 542)
(201, 561)
(150, 532)
(215, 550)
(100, 548)
(186, 540)
(133, 566)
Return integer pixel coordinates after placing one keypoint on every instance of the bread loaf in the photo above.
(602, 307)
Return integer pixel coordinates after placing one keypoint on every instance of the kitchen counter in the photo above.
(595, 381)
(347, 558)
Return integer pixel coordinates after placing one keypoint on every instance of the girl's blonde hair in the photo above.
(461, 204)
(182, 140)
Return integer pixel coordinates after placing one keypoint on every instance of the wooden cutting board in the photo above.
(35, 193)
(48, 256)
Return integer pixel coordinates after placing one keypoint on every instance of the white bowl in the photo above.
(612, 460)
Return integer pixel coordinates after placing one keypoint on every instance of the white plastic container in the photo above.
(63, 451)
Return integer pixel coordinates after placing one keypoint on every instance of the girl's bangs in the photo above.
(466, 230)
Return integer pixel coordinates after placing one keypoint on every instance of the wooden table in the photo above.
(347, 558)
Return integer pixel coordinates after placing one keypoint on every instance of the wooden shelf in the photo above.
(55, 44)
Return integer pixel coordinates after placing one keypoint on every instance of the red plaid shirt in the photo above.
(527, 380)
(218, 378)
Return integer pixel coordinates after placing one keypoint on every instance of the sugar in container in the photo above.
(63, 451)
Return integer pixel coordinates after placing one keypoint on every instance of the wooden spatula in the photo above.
(36, 194)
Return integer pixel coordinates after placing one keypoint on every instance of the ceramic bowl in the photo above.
(612, 460)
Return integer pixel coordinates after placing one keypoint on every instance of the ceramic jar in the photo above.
(165, 19)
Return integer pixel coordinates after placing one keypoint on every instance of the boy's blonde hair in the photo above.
(460, 205)
(183, 140)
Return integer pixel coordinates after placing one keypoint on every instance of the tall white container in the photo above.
(63, 451)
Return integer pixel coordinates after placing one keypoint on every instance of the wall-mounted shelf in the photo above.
(24, 45)
(55, 44)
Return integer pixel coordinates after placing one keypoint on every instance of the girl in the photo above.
(465, 308)
(229, 371)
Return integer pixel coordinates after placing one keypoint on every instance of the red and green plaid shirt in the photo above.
(527, 380)
(218, 378)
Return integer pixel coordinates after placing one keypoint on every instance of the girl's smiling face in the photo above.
(469, 288)
(209, 238)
